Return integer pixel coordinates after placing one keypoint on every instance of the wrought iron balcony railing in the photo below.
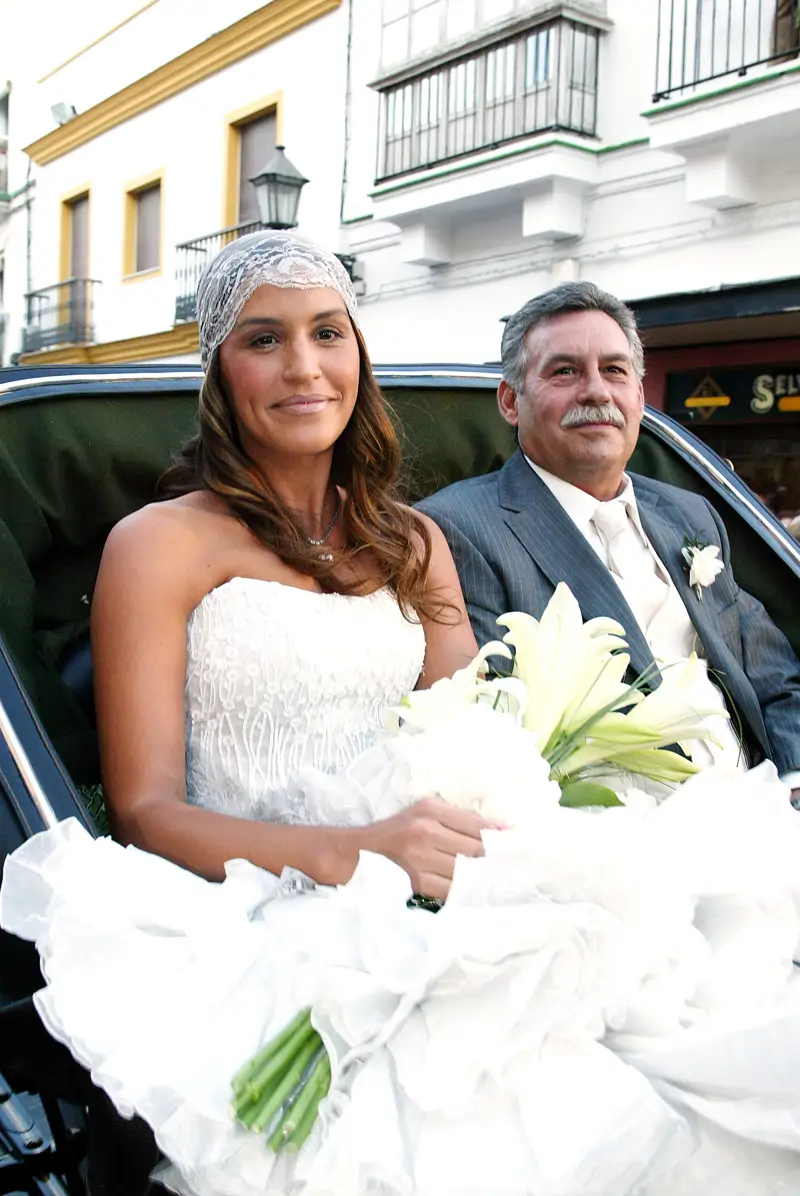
(543, 79)
(700, 41)
(59, 315)
(192, 256)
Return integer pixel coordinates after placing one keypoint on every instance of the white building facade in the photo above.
(166, 112)
(467, 154)
(525, 146)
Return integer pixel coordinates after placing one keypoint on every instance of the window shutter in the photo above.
(148, 229)
(79, 238)
(256, 143)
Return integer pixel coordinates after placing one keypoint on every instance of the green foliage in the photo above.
(576, 794)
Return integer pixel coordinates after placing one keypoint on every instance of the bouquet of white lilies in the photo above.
(563, 718)
(568, 694)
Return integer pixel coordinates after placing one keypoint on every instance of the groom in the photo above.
(563, 509)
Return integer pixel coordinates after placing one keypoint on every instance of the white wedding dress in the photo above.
(606, 1005)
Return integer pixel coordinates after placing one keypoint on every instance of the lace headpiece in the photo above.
(262, 259)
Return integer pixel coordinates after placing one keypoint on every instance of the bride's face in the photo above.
(291, 366)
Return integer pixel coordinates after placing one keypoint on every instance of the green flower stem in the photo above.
(254, 1065)
(246, 1115)
(296, 1125)
(278, 1061)
(292, 1115)
(289, 1086)
(305, 1126)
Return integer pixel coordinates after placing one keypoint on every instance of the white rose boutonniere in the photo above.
(702, 563)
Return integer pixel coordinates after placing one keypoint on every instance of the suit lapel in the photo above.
(547, 533)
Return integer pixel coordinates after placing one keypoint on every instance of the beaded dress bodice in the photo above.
(280, 680)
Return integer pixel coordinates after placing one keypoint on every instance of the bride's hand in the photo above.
(425, 840)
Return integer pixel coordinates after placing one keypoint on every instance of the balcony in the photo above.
(727, 93)
(501, 128)
(59, 315)
(192, 257)
(542, 80)
(701, 42)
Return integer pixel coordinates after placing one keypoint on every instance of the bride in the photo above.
(262, 616)
(248, 634)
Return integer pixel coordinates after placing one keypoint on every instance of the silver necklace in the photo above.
(327, 556)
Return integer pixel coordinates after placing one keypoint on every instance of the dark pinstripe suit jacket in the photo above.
(513, 542)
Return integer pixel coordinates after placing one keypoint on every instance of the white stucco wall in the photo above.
(639, 235)
(641, 239)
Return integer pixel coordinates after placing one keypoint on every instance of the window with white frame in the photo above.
(410, 28)
(414, 28)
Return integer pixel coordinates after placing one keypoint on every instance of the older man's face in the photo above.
(580, 406)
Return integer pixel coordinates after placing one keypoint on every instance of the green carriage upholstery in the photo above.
(73, 464)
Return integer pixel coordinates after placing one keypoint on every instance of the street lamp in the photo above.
(278, 188)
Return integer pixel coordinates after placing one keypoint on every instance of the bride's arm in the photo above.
(155, 570)
(449, 641)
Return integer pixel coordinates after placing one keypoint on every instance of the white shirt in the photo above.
(655, 601)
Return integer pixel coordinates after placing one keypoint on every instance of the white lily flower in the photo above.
(566, 665)
(669, 714)
(608, 690)
(676, 710)
(425, 708)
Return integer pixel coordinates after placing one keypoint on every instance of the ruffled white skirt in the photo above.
(606, 1005)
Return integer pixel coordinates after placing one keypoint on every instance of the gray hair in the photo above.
(560, 300)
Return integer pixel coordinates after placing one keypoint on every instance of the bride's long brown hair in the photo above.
(366, 466)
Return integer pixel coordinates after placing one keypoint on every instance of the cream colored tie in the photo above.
(619, 539)
(630, 561)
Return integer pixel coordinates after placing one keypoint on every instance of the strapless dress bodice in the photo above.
(280, 680)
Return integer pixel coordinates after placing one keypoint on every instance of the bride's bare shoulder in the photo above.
(176, 540)
(178, 523)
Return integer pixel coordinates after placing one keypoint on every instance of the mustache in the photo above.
(607, 413)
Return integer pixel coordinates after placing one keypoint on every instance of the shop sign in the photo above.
(735, 395)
